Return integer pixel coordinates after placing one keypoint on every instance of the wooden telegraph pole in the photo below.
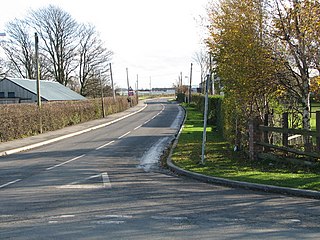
(36, 40)
(111, 77)
(190, 84)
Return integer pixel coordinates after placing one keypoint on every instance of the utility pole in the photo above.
(36, 40)
(102, 97)
(37, 69)
(190, 83)
(150, 87)
(137, 87)
(205, 119)
(128, 80)
(113, 91)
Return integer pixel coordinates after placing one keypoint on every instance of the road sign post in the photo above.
(205, 119)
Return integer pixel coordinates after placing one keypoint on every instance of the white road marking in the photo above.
(138, 127)
(106, 180)
(163, 107)
(108, 222)
(115, 216)
(169, 218)
(84, 185)
(10, 183)
(63, 216)
(80, 186)
(71, 160)
(124, 135)
(12, 151)
(53, 222)
(107, 144)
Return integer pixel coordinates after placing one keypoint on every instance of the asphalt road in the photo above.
(106, 184)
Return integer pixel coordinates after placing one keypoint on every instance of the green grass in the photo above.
(222, 161)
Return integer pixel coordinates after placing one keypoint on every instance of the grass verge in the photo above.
(222, 161)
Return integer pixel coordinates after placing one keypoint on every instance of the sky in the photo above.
(154, 39)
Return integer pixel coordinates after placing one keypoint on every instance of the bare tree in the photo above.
(202, 59)
(93, 56)
(3, 68)
(58, 31)
(19, 48)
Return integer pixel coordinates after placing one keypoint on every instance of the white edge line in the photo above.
(9, 183)
(12, 151)
(71, 160)
(107, 144)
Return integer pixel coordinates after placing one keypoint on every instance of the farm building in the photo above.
(19, 90)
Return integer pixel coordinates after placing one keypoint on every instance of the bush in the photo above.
(23, 120)
(215, 113)
(181, 97)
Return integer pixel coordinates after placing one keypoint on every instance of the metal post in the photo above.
(205, 119)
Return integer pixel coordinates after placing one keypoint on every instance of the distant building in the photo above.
(142, 92)
(157, 91)
(19, 90)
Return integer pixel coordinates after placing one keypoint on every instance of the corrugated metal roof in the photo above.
(49, 90)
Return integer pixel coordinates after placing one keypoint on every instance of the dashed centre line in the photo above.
(105, 176)
(107, 144)
(124, 135)
(71, 160)
(138, 127)
(9, 183)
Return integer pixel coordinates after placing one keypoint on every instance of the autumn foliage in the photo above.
(266, 54)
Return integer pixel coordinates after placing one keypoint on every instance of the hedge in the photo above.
(215, 113)
(23, 120)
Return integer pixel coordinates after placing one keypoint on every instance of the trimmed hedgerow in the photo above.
(23, 120)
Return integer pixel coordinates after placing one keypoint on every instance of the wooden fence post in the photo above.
(254, 137)
(266, 133)
(285, 125)
(318, 130)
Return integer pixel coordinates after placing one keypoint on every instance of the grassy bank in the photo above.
(222, 161)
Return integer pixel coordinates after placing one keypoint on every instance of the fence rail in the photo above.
(260, 140)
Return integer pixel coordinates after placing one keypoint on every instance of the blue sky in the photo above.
(152, 38)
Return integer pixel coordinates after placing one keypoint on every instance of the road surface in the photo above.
(107, 184)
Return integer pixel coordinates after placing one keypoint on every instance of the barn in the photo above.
(19, 90)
